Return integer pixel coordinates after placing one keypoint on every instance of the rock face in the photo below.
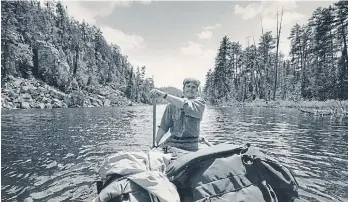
(51, 64)
(21, 93)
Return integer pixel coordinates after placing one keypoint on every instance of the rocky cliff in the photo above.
(50, 60)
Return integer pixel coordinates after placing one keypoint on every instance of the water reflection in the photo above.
(314, 148)
(54, 154)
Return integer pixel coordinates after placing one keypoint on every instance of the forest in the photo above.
(64, 62)
(316, 69)
(49, 60)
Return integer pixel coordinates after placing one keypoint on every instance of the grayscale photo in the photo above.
(174, 101)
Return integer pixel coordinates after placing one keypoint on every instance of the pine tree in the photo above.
(342, 33)
(266, 45)
(220, 77)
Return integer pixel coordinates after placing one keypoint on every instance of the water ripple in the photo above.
(54, 154)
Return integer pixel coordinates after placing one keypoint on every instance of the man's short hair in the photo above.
(193, 80)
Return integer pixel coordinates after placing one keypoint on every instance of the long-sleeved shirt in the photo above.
(184, 124)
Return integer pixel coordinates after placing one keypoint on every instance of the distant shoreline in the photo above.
(290, 103)
(20, 93)
(321, 108)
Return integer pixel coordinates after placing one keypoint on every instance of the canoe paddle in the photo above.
(165, 136)
(154, 122)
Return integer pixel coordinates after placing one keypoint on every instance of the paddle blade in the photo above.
(164, 138)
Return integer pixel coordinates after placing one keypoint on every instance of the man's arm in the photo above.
(176, 101)
(160, 133)
(194, 108)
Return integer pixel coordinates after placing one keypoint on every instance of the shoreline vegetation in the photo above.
(20, 93)
(317, 108)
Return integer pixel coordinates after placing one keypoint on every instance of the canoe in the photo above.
(183, 165)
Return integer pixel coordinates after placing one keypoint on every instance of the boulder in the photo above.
(76, 99)
(34, 91)
(57, 104)
(24, 89)
(4, 103)
(25, 105)
(57, 94)
(25, 96)
(39, 105)
(100, 97)
(45, 100)
(12, 94)
(96, 102)
(107, 103)
(41, 89)
(64, 105)
(87, 103)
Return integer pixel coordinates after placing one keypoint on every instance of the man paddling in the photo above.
(182, 116)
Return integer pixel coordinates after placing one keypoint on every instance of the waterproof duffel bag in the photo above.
(232, 173)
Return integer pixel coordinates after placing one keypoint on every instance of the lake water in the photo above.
(54, 154)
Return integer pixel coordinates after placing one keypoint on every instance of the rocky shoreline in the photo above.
(20, 93)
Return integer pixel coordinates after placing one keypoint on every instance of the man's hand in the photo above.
(157, 93)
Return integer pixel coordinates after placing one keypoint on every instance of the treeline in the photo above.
(317, 68)
(43, 42)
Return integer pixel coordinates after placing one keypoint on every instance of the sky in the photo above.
(179, 39)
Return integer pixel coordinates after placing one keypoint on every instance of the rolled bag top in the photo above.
(136, 177)
(174, 169)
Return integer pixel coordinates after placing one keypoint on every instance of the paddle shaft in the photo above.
(154, 122)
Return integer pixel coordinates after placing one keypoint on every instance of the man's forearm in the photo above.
(176, 101)
(160, 133)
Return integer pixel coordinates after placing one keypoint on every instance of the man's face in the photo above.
(190, 90)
